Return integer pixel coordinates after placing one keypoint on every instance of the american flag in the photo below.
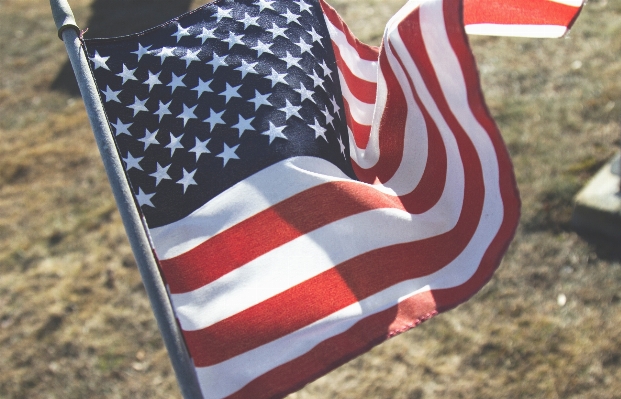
(308, 196)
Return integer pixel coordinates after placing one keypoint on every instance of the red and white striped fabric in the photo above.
(526, 18)
(318, 268)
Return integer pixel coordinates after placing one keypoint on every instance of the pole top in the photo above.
(63, 17)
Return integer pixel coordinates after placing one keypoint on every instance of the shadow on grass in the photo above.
(118, 18)
(553, 208)
(606, 248)
(553, 214)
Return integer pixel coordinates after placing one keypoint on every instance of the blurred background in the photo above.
(75, 321)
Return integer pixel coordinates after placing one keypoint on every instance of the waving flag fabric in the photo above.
(308, 196)
(528, 18)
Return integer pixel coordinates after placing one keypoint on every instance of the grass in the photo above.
(74, 319)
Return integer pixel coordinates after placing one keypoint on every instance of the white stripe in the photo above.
(267, 187)
(361, 112)
(543, 31)
(572, 3)
(363, 69)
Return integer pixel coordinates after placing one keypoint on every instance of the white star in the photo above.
(246, 68)
(202, 87)
(317, 81)
(181, 32)
(111, 95)
(276, 77)
(144, 198)
(187, 114)
(131, 162)
(315, 36)
(163, 110)
(190, 56)
(259, 99)
(326, 69)
(141, 51)
(166, 52)
(200, 147)
(320, 131)
(149, 138)
(335, 106)
(160, 174)
(291, 17)
(230, 92)
(291, 61)
(217, 62)
(233, 40)
(175, 142)
(222, 13)
(277, 31)
(187, 179)
(262, 48)
(228, 153)
(275, 132)
(138, 105)
(207, 34)
(305, 94)
(121, 128)
(250, 21)
(329, 117)
(214, 119)
(265, 4)
(291, 110)
(243, 125)
(99, 61)
(342, 146)
(176, 81)
(304, 47)
(127, 74)
(154, 79)
(303, 6)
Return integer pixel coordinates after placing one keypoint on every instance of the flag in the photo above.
(307, 196)
(527, 18)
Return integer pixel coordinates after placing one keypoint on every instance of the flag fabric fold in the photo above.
(308, 196)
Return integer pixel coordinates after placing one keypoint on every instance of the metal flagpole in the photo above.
(68, 31)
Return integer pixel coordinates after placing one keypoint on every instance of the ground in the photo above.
(74, 318)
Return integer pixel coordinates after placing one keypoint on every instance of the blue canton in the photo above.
(206, 100)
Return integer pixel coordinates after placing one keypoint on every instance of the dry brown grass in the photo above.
(74, 319)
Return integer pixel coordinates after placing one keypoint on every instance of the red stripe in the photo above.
(362, 89)
(391, 130)
(361, 133)
(338, 350)
(346, 283)
(521, 12)
(365, 51)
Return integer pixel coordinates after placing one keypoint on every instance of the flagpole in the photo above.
(68, 31)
